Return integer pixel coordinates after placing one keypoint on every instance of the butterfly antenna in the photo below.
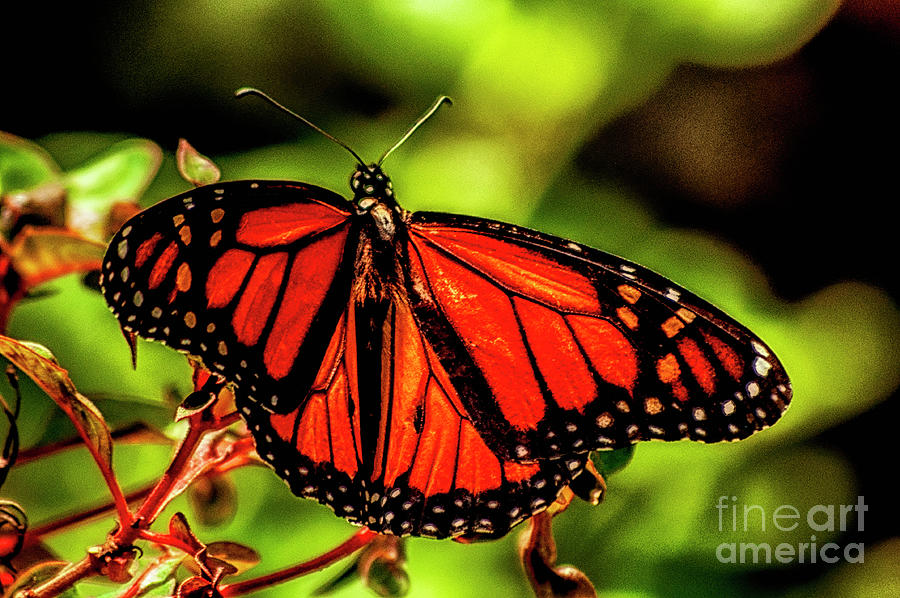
(434, 108)
(245, 91)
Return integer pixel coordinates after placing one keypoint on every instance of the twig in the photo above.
(348, 547)
(126, 533)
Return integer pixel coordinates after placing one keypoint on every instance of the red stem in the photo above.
(124, 434)
(119, 500)
(167, 540)
(156, 501)
(132, 525)
(36, 533)
(348, 547)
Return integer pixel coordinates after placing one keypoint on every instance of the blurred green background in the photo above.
(745, 149)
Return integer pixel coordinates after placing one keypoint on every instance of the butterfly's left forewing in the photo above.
(556, 349)
(250, 277)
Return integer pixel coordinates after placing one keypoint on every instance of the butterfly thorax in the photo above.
(378, 278)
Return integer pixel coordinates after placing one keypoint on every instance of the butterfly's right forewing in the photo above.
(556, 349)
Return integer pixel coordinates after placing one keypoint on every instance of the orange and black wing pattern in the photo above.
(438, 375)
(555, 349)
(250, 277)
(430, 473)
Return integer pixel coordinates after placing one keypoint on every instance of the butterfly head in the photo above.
(373, 194)
(370, 186)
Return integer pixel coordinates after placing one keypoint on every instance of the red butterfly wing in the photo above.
(251, 277)
(431, 473)
(556, 349)
(316, 447)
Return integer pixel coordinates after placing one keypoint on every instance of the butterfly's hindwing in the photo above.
(431, 474)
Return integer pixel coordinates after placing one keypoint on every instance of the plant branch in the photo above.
(127, 434)
(36, 533)
(166, 540)
(348, 547)
(157, 499)
(135, 525)
(63, 580)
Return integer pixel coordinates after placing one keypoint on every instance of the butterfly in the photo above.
(424, 373)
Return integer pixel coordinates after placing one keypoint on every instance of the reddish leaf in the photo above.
(13, 525)
(39, 364)
(242, 557)
(7, 576)
(119, 213)
(236, 558)
(202, 560)
(197, 587)
(213, 499)
(11, 286)
(41, 254)
(45, 203)
(181, 531)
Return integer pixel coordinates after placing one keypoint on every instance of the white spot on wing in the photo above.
(761, 367)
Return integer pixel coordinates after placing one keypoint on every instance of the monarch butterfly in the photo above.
(424, 373)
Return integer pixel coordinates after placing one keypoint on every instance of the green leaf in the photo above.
(194, 167)
(608, 462)
(121, 173)
(158, 579)
(23, 165)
